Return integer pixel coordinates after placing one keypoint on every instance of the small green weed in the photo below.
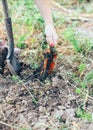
(82, 67)
(21, 42)
(70, 36)
(81, 113)
(83, 45)
(88, 80)
(86, 45)
(78, 91)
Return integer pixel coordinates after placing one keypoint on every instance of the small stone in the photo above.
(24, 102)
(41, 109)
(67, 106)
(10, 100)
(22, 110)
(70, 113)
(24, 123)
(72, 97)
(41, 124)
(48, 92)
(61, 107)
(54, 81)
(58, 113)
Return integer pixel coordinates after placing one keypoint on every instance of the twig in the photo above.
(82, 91)
(52, 123)
(81, 19)
(22, 82)
(61, 8)
(69, 13)
(34, 100)
(15, 127)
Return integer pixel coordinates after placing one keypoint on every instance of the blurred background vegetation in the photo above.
(27, 21)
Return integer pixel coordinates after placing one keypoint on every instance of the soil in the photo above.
(48, 105)
(27, 104)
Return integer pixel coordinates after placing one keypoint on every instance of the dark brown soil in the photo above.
(50, 105)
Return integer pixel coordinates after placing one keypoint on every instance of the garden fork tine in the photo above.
(12, 62)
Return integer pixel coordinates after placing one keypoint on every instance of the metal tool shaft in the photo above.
(12, 62)
(9, 29)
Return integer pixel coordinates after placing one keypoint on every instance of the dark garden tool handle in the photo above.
(5, 8)
(10, 38)
(12, 62)
(8, 30)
